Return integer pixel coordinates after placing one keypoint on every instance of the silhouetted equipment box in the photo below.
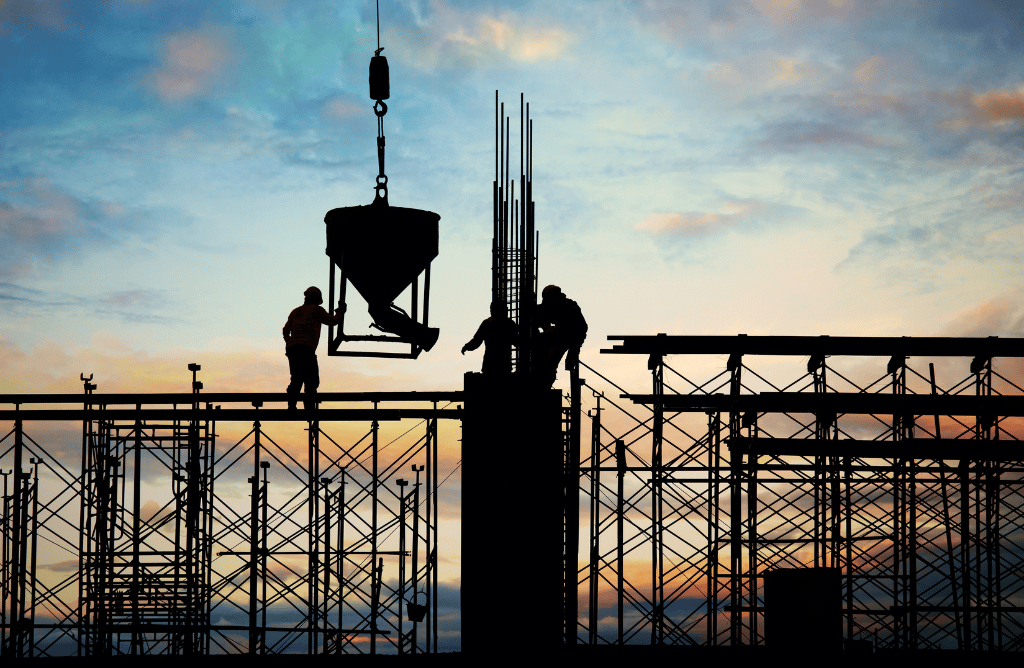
(803, 610)
(382, 250)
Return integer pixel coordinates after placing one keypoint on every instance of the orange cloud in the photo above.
(694, 222)
(454, 37)
(999, 316)
(344, 108)
(998, 105)
(990, 107)
(192, 62)
(867, 70)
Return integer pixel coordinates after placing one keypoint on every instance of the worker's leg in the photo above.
(295, 370)
(312, 381)
(572, 357)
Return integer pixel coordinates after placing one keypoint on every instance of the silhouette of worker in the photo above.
(498, 334)
(301, 336)
(563, 330)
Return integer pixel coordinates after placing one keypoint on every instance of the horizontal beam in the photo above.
(188, 398)
(911, 448)
(874, 346)
(839, 403)
(230, 414)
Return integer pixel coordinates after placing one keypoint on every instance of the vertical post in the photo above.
(572, 510)
(83, 630)
(15, 648)
(5, 522)
(313, 537)
(620, 533)
(714, 522)
(416, 545)
(255, 641)
(325, 563)
(594, 552)
(656, 365)
(736, 575)
(432, 526)
(375, 580)
(341, 556)
(750, 422)
(135, 600)
(35, 553)
(264, 552)
(402, 502)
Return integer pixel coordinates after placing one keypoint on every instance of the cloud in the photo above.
(766, 72)
(867, 71)
(192, 62)
(145, 299)
(796, 135)
(39, 222)
(53, 15)
(41, 225)
(693, 223)
(998, 105)
(345, 108)
(979, 224)
(128, 306)
(781, 12)
(445, 37)
(999, 316)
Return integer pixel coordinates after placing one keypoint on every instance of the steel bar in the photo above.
(809, 346)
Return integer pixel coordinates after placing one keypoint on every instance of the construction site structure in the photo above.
(334, 550)
(798, 493)
(856, 474)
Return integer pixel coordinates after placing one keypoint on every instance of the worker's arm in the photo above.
(328, 319)
(477, 339)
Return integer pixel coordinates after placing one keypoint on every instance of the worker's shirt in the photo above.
(498, 335)
(566, 316)
(303, 325)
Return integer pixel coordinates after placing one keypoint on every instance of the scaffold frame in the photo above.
(911, 489)
(341, 558)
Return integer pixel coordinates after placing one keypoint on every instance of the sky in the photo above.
(767, 167)
(790, 167)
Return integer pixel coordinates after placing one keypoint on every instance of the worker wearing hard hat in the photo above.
(563, 331)
(301, 336)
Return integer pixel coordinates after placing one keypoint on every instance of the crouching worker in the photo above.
(563, 331)
(301, 336)
(498, 334)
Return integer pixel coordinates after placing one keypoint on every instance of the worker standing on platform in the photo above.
(301, 336)
(563, 330)
(498, 334)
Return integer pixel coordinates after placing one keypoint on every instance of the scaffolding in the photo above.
(912, 490)
(151, 546)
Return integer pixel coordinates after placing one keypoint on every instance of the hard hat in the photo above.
(312, 293)
(550, 291)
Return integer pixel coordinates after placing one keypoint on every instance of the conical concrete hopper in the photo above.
(382, 248)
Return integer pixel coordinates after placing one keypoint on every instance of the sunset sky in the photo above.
(745, 166)
(767, 167)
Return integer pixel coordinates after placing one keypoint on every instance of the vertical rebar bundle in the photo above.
(514, 243)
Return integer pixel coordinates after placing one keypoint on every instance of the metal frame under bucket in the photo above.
(337, 336)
